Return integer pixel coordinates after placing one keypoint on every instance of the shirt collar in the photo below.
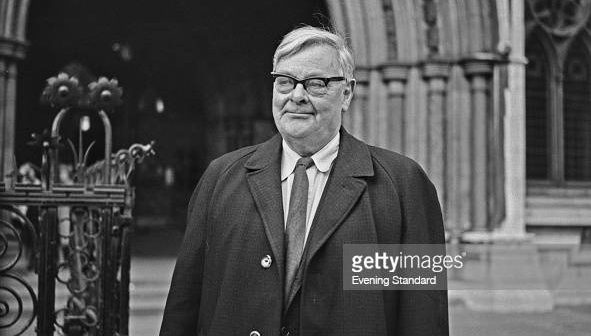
(322, 159)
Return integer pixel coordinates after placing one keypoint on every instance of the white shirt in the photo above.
(317, 176)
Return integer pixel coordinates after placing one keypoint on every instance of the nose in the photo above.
(299, 94)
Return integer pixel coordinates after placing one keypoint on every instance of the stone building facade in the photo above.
(444, 82)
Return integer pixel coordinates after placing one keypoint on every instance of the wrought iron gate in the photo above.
(77, 234)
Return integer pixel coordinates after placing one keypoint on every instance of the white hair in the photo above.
(303, 37)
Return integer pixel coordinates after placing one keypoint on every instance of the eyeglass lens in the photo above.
(314, 86)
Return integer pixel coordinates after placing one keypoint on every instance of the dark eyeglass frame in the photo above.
(297, 81)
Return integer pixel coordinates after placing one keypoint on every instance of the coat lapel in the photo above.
(342, 191)
(264, 181)
(344, 187)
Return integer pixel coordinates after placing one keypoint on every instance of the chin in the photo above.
(293, 131)
(297, 134)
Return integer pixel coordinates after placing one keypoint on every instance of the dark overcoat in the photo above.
(229, 276)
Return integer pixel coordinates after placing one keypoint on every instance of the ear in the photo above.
(348, 95)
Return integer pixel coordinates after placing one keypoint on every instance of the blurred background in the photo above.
(491, 97)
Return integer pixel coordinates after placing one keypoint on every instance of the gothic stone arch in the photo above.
(431, 80)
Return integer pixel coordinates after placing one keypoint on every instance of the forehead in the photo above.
(310, 61)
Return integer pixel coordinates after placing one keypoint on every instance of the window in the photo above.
(536, 115)
(558, 110)
(577, 114)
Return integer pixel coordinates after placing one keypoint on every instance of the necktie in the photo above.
(295, 231)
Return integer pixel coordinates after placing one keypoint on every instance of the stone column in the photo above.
(436, 74)
(393, 130)
(478, 70)
(515, 178)
(11, 50)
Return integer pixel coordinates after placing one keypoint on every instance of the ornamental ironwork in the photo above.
(64, 243)
(18, 300)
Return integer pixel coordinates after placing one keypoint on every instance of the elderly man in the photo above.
(262, 254)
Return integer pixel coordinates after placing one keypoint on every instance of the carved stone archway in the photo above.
(433, 78)
(13, 45)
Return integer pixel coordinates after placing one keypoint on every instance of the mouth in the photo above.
(298, 114)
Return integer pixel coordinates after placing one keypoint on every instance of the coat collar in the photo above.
(323, 159)
(357, 160)
(354, 157)
(265, 154)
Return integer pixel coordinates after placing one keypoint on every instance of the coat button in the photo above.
(255, 333)
(284, 331)
(266, 261)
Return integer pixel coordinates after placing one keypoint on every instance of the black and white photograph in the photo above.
(295, 168)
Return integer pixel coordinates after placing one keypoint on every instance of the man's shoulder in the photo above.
(394, 163)
(399, 169)
(225, 161)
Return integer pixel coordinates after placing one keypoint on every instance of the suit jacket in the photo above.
(229, 275)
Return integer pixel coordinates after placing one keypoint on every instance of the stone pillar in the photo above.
(436, 74)
(355, 120)
(515, 178)
(478, 70)
(11, 50)
(394, 129)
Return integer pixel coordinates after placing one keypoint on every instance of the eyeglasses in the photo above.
(315, 86)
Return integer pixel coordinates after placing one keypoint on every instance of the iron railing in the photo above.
(77, 279)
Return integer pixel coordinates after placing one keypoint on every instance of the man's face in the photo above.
(308, 120)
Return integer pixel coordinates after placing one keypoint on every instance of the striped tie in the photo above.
(295, 231)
